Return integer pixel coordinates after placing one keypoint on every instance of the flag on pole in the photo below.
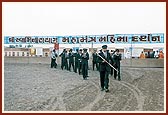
(56, 46)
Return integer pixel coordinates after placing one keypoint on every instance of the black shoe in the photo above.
(106, 90)
(102, 89)
(85, 78)
(119, 79)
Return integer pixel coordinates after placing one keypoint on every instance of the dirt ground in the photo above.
(37, 87)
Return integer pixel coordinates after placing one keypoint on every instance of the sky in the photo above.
(53, 18)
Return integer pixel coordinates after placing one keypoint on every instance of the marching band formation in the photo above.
(106, 63)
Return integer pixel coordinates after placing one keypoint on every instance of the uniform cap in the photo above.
(84, 49)
(117, 50)
(104, 47)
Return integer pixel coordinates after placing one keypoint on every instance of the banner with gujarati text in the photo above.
(88, 39)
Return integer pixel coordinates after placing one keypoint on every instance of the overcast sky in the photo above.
(53, 18)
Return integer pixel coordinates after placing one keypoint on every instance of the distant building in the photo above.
(126, 51)
(25, 52)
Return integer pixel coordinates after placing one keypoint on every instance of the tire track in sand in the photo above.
(99, 96)
(137, 93)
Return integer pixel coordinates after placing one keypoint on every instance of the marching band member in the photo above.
(53, 59)
(104, 68)
(85, 58)
(117, 59)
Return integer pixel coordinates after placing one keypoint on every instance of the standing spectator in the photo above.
(94, 61)
(156, 55)
(53, 59)
(152, 54)
(85, 58)
(117, 59)
(142, 55)
(127, 55)
(148, 54)
(161, 55)
(71, 60)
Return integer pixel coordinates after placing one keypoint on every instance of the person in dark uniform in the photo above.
(71, 60)
(94, 61)
(85, 58)
(62, 55)
(76, 60)
(79, 56)
(148, 54)
(112, 61)
(117, 59)
(104, 68)
(53, 59)
(66, 60)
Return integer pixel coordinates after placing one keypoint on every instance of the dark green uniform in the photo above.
(85, 58)
(94, 61)
(76, 61)
(104, 69)
(62, 55)
(79, 56)
(66, 60)
(53, 59)
(112, 63)
(117, 59)
(71, 60)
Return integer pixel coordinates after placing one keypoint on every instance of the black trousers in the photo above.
(53, 63)
(76, 66)
(117, 67)
(104, 79)
(66, 64)
(62, 63)
(112, 69)
(85, 70)
(71, 63)
(95, 63)
(80, 67)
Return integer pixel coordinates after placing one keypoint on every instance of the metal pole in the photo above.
(107, 62)
(28, 52)
(131, 48)
(131, 52)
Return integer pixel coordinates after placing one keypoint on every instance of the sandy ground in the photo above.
(37, 87)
